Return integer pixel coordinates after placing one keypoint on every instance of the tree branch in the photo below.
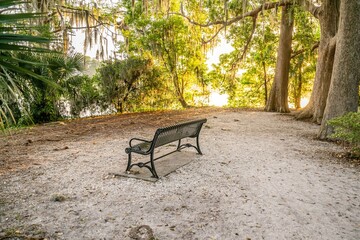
(253, 13)
(310, 7)
(233, 66)
(306, 4)
(88, 14)
(78, 28)
(214, 36)
(314, 46)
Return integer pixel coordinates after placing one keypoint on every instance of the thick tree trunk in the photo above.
(344, 89)
(328, 18)
(278, 99)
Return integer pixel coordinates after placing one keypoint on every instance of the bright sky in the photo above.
(212, 56)
(78, 44)
(222, 48)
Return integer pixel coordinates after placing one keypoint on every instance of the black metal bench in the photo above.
(162, 137)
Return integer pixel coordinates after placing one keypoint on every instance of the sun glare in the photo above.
(218, 100)
(213, 56)
(304, 102)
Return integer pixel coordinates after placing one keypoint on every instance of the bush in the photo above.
(347, 128)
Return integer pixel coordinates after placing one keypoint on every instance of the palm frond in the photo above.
(9, 3)
(10, 18)
(25, 71)
(10, 38)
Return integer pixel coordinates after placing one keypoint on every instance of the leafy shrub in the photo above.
(127, 83)
(347, 128)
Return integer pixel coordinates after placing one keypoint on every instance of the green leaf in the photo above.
(10, 18)
(27, 72)
(8, 37)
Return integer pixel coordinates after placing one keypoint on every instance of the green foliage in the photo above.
(171, 41)
(171, 71)
(303, 62)
(180, 55)
(245, 76)
(43, 109)
(19, 34)
(59, 69)
(83, 93)
(33, 100)
(347, 128)
(126, 82)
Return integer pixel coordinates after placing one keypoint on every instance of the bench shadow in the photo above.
(164, 166)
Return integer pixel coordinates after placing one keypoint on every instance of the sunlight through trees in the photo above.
(271, 55)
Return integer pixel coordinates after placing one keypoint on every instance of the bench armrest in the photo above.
(137, 139)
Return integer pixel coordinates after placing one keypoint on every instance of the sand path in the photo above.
(262, 176)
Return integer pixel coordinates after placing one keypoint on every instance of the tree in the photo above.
(126, 79)
(278, 99)
(344, 88)
(59, 69)
(235, 13)
(98, 21)
(82, 93)
(303, 57)
(167, 37)
(17, 35)
(328, 15)
(173, 43)
(245, 75)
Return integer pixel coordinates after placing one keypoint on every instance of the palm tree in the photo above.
(59, 69)
(16, 35)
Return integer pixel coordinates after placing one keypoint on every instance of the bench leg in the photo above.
(179, 145)
(129, 162)
(141, 165)
(198, 145)
(152, 170)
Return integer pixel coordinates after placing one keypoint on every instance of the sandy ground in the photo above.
(262, 176)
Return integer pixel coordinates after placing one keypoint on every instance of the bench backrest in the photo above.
(176, 132)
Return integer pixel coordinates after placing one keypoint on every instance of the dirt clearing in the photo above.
(262, 176)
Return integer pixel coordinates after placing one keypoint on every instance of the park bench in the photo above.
(164, 136)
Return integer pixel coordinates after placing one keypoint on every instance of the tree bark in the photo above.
(328, 18)
(278, 99)
(265, 83)
(344, 89)
(178, 90)
(298, 87)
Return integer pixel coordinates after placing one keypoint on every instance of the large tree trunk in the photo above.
(344, 89)
(328, 18)
(278, 99)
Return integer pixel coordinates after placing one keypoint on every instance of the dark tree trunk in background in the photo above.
(328, 15)
(344, 89)
(265, 83)
(179, 90)
(298, 87)
(278, 99)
